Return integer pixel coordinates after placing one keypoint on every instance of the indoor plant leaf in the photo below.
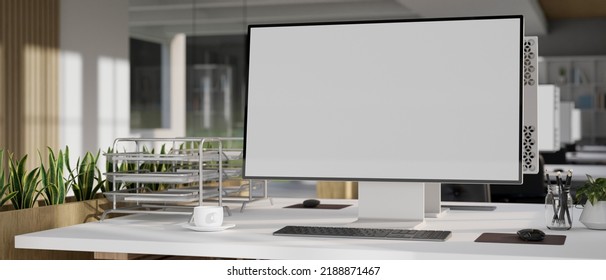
(5, 195)
(593, 189)
(24, 183)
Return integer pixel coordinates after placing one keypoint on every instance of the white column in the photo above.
(165, 76)
(173, 103)
(178, 65)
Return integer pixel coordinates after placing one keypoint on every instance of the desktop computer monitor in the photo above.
(395, 105)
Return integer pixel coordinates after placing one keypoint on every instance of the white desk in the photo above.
(586, 157)
(579, 171)
(591, 148)
(252, 237)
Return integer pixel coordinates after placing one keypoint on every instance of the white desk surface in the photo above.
(586, 157)
(591, 148)
(252, 237)
(579, 171)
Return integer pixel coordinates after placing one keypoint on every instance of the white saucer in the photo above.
(192, 226)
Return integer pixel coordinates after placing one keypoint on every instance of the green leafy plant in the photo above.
(85, 179)
(4, 196)
(24, 183)
(55, 187)
(593, 189)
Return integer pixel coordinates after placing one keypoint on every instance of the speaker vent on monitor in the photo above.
(530, 153)
(529, 65)
(529, 143)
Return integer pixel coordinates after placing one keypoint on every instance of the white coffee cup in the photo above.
(208, 216)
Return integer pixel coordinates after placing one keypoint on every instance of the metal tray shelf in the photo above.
(182, 177)
(184, 156)
(144, 194)
(196, 172)
(161, 198)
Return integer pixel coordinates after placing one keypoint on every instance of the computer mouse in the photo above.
(311, 203)
(531, 234)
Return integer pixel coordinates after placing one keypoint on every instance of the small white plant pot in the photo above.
(594, 216)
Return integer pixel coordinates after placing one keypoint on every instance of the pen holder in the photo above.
(558, 208)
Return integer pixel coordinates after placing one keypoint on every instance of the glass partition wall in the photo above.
(215, 85)
(204, 95)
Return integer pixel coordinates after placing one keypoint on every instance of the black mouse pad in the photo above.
(514, 238)
(321, 206)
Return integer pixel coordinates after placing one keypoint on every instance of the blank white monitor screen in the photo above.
(428, 100)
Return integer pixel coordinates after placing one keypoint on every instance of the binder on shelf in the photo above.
(584, 102)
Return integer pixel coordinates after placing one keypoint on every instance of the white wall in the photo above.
(94, 74)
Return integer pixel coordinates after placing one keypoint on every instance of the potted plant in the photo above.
(562, 76)
(594, 210)
(50, 181)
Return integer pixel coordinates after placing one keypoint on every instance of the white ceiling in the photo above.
(161, 19)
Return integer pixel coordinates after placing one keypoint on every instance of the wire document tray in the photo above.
(173, 175)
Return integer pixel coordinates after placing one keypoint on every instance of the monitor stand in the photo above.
(397, 204)
(433, 201)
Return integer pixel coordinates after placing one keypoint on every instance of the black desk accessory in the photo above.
(365, 233)
(469, 207)
(311, 203)
(491, 237)
(530, 234)
(320, 206)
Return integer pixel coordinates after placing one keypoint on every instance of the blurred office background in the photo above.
(81, 73)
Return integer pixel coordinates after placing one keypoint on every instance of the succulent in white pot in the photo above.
(594, 210)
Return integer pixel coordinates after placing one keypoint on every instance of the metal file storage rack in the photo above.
(182, 176)
(169, 182)
(234, 189)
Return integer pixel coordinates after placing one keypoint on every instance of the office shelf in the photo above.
(582, 80)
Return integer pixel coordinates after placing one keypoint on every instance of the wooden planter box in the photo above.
(16, 222)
